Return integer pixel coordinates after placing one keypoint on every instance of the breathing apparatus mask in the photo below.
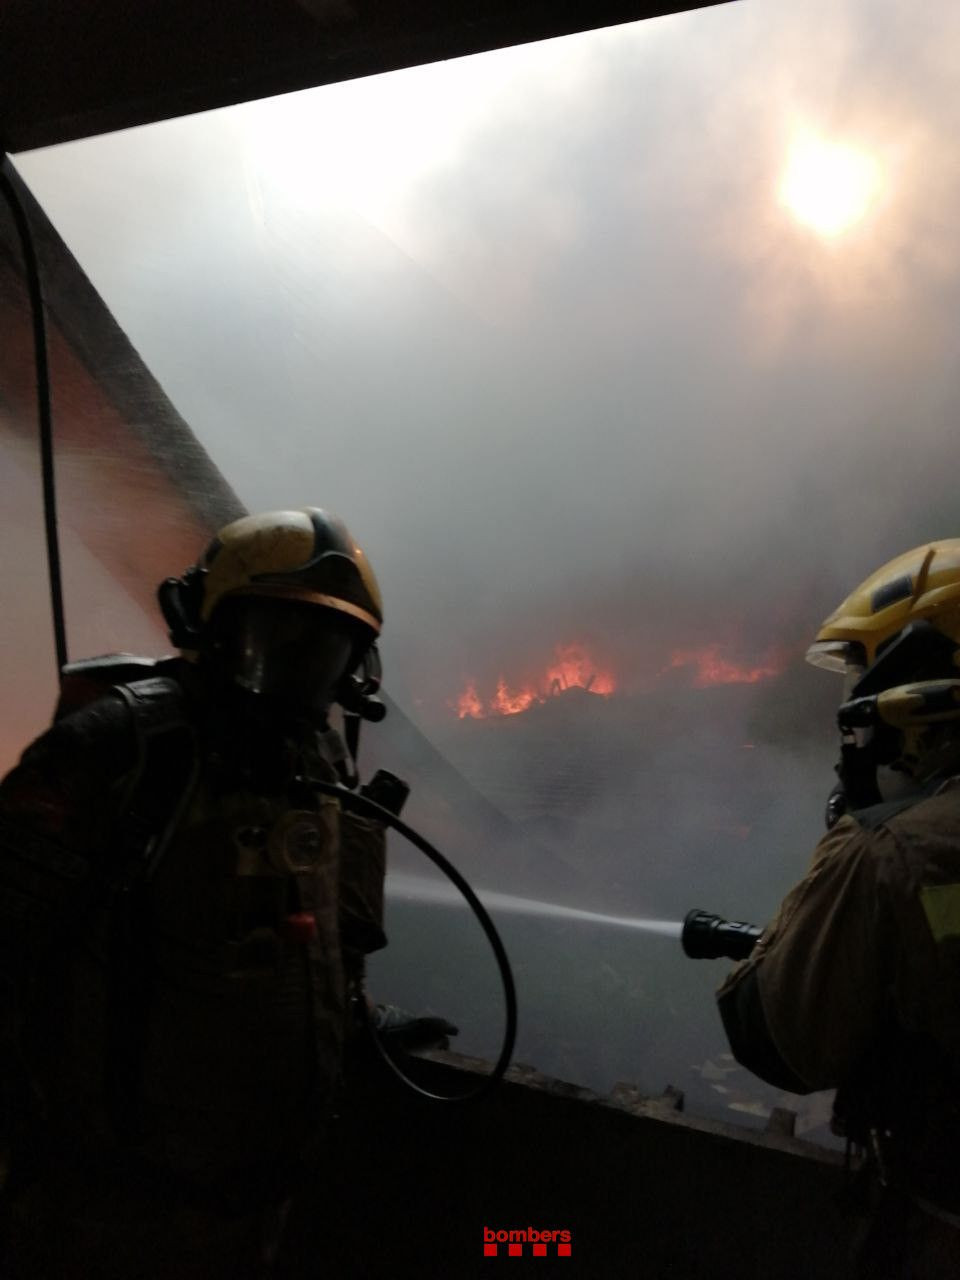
(295, 656)
(894, 716)
(896, 641)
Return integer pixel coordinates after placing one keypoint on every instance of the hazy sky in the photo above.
(540, 326)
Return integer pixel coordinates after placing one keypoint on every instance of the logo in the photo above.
(526, 1242)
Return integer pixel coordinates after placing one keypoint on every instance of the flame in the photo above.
(572, 668)
(710, 668)
(505, 703)
(469, 704)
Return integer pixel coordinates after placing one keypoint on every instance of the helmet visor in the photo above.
(291, 653)
(845, 656)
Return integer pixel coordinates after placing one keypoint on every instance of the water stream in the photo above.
(410, 888)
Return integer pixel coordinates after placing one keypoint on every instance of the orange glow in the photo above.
(469, 704)
(506, 703)
(710, 668)
(571, 668)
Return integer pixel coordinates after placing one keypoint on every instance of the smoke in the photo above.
(566, 364)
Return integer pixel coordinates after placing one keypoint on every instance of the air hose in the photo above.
(370, 809)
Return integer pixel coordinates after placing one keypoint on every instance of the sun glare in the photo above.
(828, 186)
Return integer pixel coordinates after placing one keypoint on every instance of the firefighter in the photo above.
(183, 919)
(855, 985)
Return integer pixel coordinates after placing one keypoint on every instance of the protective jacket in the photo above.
(855, 985)
(177, 970)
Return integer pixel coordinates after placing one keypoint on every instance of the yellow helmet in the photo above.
(920, 585)
(896, 639)
(306, 555)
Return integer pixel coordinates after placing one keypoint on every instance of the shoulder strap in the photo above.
(165, 780)
(84, 681)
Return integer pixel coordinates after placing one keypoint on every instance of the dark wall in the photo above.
(643, 1189)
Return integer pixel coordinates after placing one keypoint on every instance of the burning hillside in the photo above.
(573, 668)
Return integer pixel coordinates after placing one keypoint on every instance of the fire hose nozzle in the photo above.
(707, 937)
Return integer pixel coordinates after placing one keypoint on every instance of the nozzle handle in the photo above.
(707, 937)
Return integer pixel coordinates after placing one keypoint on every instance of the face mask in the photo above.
(290, 653)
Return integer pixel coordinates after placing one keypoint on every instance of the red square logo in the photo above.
(515, 1250)
(489, 1250)
(563, 1251)
(539, 1250)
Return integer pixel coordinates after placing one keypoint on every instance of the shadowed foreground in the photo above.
(643, 1189)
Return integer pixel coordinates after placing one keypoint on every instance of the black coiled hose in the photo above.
(369, 808)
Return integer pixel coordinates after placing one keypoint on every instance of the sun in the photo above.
(828, 186)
